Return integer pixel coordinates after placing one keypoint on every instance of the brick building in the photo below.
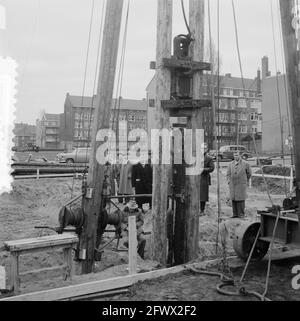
(239, 110)
(24, 135)
(48, 131)
(79, 114)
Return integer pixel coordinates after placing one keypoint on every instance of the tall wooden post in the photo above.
(292, 60)
(195, 122)
(163, 88)
(92, 202)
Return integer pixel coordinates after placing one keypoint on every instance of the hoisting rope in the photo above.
(117, 105)
(212, 90)
(95, 77)
(278, 97)
(185, 19)
(253, 137)
(81, 120)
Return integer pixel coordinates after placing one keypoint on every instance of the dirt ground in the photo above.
(37, 202)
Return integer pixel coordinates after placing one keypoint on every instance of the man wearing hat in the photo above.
(131, 208)
(142, 181)
(205, 180)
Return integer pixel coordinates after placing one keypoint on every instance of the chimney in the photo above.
(258, 82)
(265, 67)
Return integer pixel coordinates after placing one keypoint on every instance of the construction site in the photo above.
(69, 233)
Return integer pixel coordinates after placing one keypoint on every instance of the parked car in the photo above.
(226, 152)
(77, 155)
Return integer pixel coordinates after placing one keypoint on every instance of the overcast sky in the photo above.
(48, 39)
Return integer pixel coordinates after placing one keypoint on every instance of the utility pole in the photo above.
(160, 171)
(290, 26)
(194, 122)
(93, 198)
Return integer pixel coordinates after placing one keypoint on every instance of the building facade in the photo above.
(77, 124)
(237, 110)
(48, 131)
(274, 104)
(24, 135)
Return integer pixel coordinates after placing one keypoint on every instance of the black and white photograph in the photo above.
(149, 153)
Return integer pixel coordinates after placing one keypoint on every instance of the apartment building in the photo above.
(77, 125)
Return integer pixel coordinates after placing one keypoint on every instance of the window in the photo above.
(151, 103)
(244, 116)
(236, 92)
(243, 129)
(223, 104)
(242, 103)
(131, 117)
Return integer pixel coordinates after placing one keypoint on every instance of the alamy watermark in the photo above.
(176, 146)
(296, 278)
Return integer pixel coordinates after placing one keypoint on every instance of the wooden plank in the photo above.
(41, 242)
(68, 262)
(186, 103)
(163, 92)
(90, 297)
(2, 278)
(95, 179)
(186, 64)
(132, 250)
(106, 285)
(47, 176)
(14, 281)
(41, 249)
(271, 176)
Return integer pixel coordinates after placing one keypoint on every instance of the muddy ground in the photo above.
(37, 202)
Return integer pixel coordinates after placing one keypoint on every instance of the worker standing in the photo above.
(125, 187)
(238, 176)
(142, 181)
(205, 180)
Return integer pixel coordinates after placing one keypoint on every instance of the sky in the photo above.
(49, 40)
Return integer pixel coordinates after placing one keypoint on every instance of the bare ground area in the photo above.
(37, 202)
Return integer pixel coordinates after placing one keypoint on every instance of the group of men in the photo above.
(135, 179)
(129, 179)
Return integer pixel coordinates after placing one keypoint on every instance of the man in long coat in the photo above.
(142, 182)
(238, 175)
(125, 186)
(205, 181)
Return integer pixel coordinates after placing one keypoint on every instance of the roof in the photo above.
(234, 82)
(128, 104)
(79, 101)
(225, 82)
(53, 117)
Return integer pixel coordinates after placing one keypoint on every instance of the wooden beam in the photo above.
(186, 64)
(192, 186)
(186, 103)
(106, 285)
(92, 206)
(132, 240)
(292, 63)
(163, 92)
(2, 278)
(41, 242)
